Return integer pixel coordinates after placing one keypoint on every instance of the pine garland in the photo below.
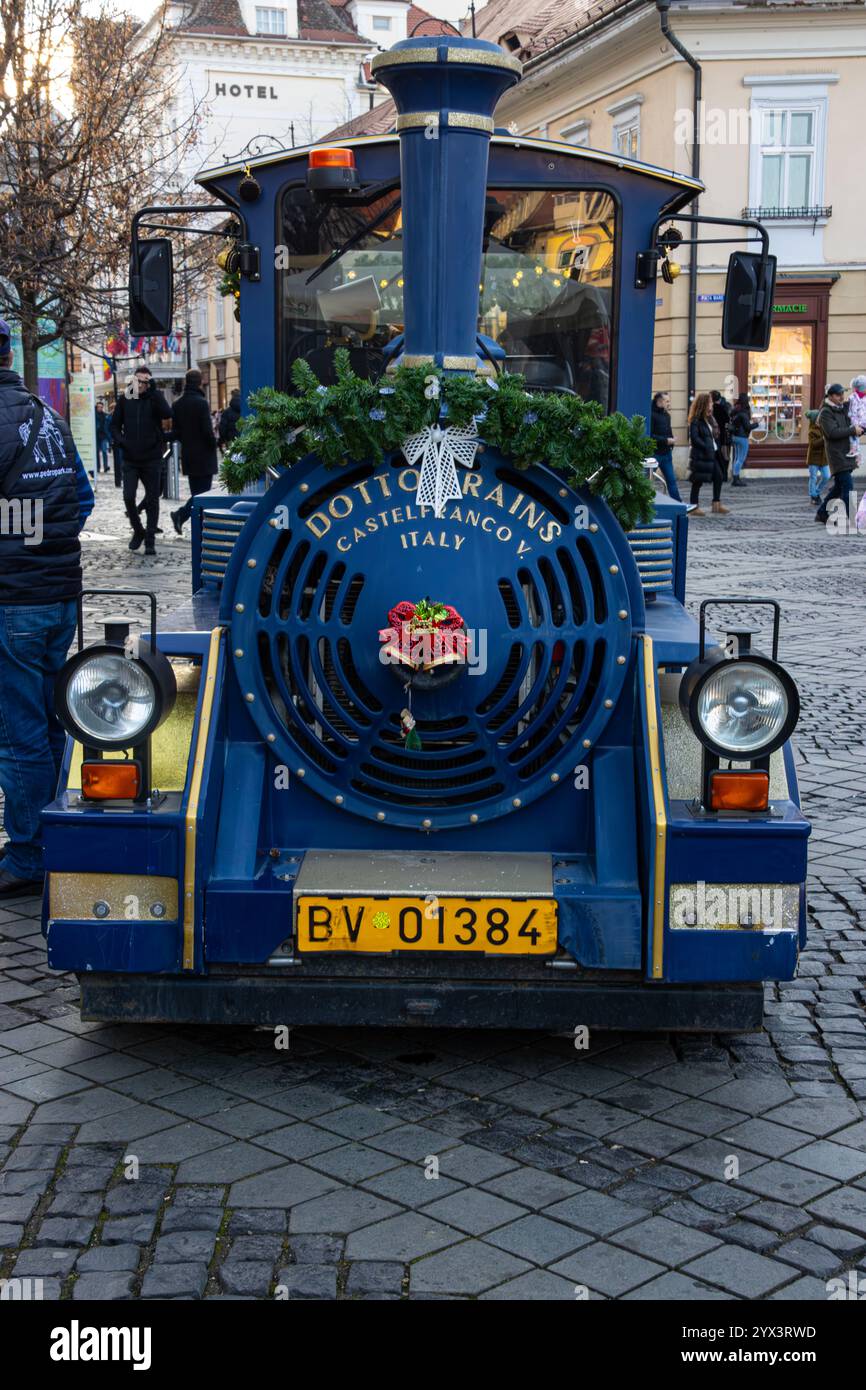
(360, 419)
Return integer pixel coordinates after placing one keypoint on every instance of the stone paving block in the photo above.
(132, 1230)
(59, 1230)
(299, 1140)
(468, 1268)
(818, 1117)
(316, 1249)
(842, 1208)
(180, 1247)
(228, 1163)
(607, 1269)
(174, 1281)
(413, 1141)
(832, 1159)
(783, 1182)
(103, 1287)
(285, 1186)
(248, 1277)
(740, 1271)
(257, 1220)
(306, 1282)
(353, 1162)
(594, 1212)
(835, 1238)
(536, 1286)
(103, 1259)
(667, 1242)
(672, 1287)
(406, 1237)
(340, 1211)
(470, 1164)
(262, 1248)
(375, 1276)
(806, 1290)
(473, 1210)
(180, 1218)
(410, 1184)
(538, 1239)
(44, 1263)
(812, 1258)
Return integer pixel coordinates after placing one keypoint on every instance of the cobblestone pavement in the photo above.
(306, 1174)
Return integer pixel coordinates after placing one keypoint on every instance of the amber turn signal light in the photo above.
(111, 781)
(739, 791)
(332, 158)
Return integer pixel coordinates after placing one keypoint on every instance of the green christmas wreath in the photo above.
(360, 419)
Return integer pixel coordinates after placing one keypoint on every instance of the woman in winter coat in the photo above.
(704, 465)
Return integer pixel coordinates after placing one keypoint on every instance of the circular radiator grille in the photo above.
(546, 606)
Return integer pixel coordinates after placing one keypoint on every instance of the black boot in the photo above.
(137, 539)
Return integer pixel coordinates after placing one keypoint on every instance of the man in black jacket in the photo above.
(139, 425)
(44, 498)
(193, 429)
(835, 425)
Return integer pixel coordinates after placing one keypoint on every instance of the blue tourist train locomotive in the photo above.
(435, 741)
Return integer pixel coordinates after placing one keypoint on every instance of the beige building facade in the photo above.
(783, 104)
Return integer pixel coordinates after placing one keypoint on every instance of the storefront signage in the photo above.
(253, 90)
(789, 308)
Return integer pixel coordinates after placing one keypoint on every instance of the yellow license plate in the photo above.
(495, 926)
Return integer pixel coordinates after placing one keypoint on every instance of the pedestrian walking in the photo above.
(193, 430)
(103, 437)
(663, 439)
(704, 465)
(228, 422)
(838, 431)
(139, 425)
(741, 426)
(816, 458)
(722, 417)
(40, 583)
(857, 412)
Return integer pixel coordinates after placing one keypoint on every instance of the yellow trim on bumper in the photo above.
(661, 820)
(209, 677)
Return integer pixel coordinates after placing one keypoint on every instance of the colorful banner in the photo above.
(51, 366)
(82, 417)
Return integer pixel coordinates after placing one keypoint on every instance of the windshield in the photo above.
(545, 296)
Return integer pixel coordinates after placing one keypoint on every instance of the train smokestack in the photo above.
(445, 90)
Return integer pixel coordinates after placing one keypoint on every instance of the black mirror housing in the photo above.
(748, 309)
(151, 287)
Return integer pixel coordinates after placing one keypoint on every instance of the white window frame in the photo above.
(577, 133)
(267, 28)
(626, 118)
(790, 94)
(381, 23)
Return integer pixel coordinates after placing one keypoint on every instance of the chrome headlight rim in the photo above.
(160, 676)
(695, 679)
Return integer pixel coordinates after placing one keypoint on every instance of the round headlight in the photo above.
(740, 709)
(106, 699)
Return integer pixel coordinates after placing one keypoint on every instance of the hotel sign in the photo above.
(254, 91)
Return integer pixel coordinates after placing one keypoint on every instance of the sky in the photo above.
(452, 10)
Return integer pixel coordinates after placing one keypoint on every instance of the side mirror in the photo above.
(748, 310)
(151, 287)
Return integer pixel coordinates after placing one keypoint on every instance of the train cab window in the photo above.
(546, 286)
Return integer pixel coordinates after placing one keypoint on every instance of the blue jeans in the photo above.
(34, 641)
(666, 468)
(739, 449)
(819, 474)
